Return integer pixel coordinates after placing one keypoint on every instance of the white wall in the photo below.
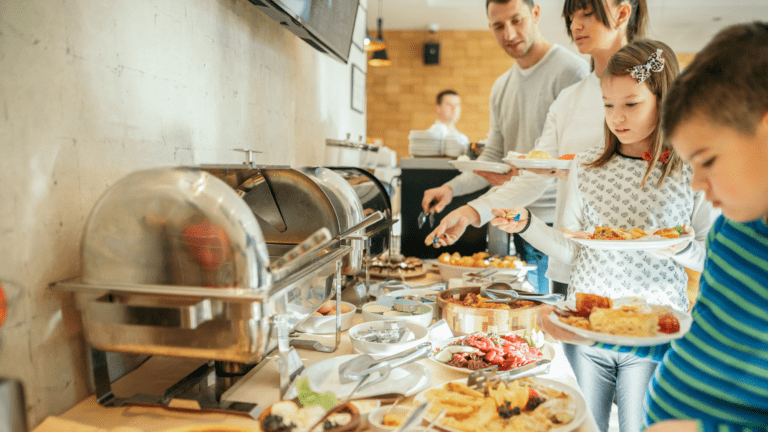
(91, 90)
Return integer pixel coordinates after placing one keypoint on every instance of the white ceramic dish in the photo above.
(450, 271)
(419, 292)
(684, 318)
(573, 425)
(470, 165)
(539, 163)
(376, 417)
(326, 324)
(648, 243)
(407, 379)
(419, 332)
(547, 350)
(424, 319)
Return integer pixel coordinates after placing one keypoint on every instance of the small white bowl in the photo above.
(420, 333)
(326, 324)
(377, 416)
(365, 406)
(424, 319)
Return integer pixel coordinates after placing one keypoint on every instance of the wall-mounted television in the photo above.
(326, 25)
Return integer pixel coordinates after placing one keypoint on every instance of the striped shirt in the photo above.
(718, 372)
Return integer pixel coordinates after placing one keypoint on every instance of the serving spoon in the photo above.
(501, 292)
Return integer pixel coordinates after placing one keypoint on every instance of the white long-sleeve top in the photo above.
(611, 196)
(574, 123)
(519, 102)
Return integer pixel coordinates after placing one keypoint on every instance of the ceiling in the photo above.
(685, 25)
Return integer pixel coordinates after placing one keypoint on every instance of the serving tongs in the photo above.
(428, 216)
(481, 378)
(365, 365)
(510, 295)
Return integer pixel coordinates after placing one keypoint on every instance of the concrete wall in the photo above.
(93, 90)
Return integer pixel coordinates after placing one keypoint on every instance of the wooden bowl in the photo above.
(353, 424)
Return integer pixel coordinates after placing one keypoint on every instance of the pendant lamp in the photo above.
(378, 47)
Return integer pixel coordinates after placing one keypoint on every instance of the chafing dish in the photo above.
(176, 263)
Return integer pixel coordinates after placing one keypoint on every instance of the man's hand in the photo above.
(452, 227)
(497, 179)
(436, 199)
(505, 219)
(558, 332)
(561, 174)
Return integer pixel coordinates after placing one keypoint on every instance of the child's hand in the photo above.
(511, 220)
(676, 249)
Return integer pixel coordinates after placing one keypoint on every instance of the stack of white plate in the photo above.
(425, 143)
(455, 144)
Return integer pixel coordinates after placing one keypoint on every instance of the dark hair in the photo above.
(659, 83)
(638, 20)
(444, 93)
(488, 3)
(726, 83)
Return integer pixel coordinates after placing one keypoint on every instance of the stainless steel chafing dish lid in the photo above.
(174, 226)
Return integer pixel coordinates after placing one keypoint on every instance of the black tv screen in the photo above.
(327, 25)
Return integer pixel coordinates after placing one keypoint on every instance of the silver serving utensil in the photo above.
(480, 379)
(510, 295)
(415, 417)
(365, 364)
(435, 420)
(421, 220)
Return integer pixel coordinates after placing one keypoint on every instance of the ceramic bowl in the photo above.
(365, 406)
(419, 332)
(424, 319)
(326, 324)
(376, 417)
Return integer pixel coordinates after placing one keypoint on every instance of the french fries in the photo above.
(506, 408)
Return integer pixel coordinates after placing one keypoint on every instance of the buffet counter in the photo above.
(262, 388)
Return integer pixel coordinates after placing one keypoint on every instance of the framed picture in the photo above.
(358, 89)
(358, 34)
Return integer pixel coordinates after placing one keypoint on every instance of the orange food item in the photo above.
(668, 323)
(567, 156)
(667, 233)
(3, 305)
(586, 302)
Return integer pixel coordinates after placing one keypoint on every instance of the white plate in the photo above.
(408, 379)
(578, 419)
(450, 271)
(539, 163)
(546, 348)
(470, 165)
(684, 318)
(649, 243)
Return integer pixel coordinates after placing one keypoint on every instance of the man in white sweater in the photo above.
(519, 103)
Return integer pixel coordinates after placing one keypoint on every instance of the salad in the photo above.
(481, 350)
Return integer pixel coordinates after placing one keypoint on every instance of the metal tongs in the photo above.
(480, 378)
(428, 216)
(364, 365)
(509, 295)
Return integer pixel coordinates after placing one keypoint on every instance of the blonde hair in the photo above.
(631, 55)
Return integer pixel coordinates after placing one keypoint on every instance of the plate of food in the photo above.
(538, 159)
(627, 321)
(473, 165)
(528, 404)
(397, 266)
(608, 238)
(454, 265)
(482, 350)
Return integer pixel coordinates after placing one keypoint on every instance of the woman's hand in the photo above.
(558, 332)
(511, 220)
(561, 174)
